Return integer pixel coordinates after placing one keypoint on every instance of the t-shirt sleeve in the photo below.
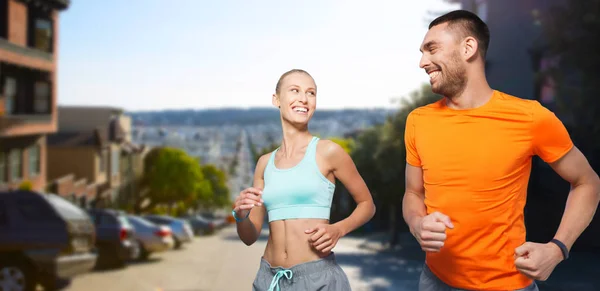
(551, 140)
(412, 157)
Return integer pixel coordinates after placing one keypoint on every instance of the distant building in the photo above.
(28, 99)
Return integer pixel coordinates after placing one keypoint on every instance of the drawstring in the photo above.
(275, 282)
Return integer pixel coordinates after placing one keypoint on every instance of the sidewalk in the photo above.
(400, 267)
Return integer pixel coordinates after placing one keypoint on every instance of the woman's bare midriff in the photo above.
(288, 243)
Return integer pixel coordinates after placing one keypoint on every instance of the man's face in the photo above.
(441, 60)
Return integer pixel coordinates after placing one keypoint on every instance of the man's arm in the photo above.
(583, 198)
(413, 203)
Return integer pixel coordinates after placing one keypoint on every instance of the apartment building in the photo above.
(94, 143)
(28, 96)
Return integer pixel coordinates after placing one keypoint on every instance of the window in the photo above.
(40, 29)
(34, 160)
(2, 168)
(10, 95)
(114, 163)
(4, 17)
(481, 9)
(65, 208)
(103, 160)
(34, 209)
(41, 97)
(16, 165)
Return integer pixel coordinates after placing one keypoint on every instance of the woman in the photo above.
(294, 186)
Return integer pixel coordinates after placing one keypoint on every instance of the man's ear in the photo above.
(275, 101)
(470, 48)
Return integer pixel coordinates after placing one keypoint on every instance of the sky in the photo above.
(199, 54)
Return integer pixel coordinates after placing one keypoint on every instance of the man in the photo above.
(468, 166)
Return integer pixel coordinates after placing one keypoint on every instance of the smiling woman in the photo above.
(294, 185)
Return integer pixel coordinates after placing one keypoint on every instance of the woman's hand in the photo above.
(248, 199)
(325, 236)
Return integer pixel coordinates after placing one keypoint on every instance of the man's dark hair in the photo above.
(467, 24)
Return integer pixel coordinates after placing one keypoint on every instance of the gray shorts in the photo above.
(322, 275)
(430, 282)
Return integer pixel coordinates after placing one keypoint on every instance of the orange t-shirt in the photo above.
(476, 165)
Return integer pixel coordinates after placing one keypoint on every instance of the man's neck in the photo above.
(473, 96)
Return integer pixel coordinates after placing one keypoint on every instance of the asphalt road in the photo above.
(222, 262)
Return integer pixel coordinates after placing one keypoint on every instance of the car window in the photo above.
(32, 209)
(140, 221)
(106, 219)
(158, 219)
(65, 208)
(123, 220)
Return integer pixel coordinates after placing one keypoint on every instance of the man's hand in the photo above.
(325, 237)
(430, 231)
(537, 261)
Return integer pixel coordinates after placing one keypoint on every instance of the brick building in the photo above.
(28, 98)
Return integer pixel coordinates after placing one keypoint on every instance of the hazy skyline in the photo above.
(144, 55)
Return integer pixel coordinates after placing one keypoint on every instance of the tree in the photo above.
(570, 39)
(380, 158)
(170, 176)
(218, 187)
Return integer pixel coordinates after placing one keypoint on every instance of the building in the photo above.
(28, 97)
(94, 143)
(80, 158)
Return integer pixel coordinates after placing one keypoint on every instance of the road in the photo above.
(222, 262)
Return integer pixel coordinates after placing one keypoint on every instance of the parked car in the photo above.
(114, 237)
(181, 229)
(200, 225)
(44, 239)
(217, 221)
(152, 238)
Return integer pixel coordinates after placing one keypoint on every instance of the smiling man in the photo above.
(468, 165)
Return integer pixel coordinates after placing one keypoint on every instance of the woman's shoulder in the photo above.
(329, 148)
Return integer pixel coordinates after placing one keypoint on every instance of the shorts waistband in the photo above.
(303, 269)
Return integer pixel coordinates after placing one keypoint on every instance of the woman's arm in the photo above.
(250, 201)
(340, 163)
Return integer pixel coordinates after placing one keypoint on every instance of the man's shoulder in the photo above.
(427, 109)
(517, 104)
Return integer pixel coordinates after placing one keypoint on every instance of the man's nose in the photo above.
(424, 61)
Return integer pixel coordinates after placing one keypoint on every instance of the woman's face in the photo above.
(297, 98)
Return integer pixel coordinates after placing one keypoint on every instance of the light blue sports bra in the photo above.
(298, 192)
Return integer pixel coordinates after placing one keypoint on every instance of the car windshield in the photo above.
(66, 209)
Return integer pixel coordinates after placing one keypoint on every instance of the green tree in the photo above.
(170, 176)
(380, 157)
(218, 187)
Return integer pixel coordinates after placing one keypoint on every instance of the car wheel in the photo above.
(177, 243)
(143, 254)
(16, 275)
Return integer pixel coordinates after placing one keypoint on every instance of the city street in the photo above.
(222, 262)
